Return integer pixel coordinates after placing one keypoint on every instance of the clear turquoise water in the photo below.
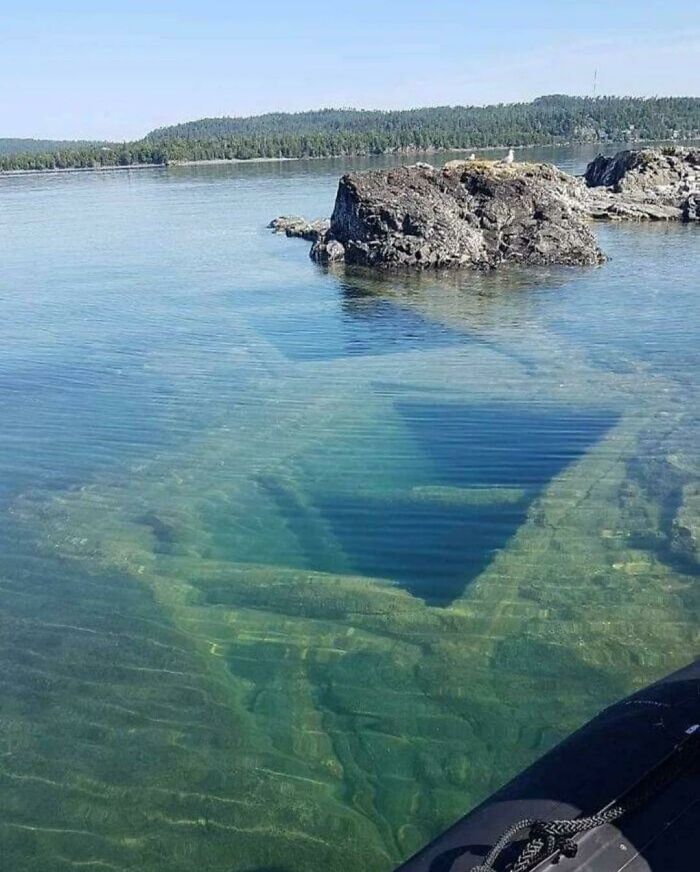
(296, 565)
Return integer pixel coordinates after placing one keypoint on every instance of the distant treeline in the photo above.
(42, 146)
(87, 157)
(331, 132)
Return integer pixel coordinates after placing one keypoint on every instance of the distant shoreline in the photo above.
(172, 163)
(249, 160)
(58, 170)
(257, 160)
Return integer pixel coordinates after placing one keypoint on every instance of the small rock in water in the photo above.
(295, 226)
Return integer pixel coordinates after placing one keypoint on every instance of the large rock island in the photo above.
(479, 213)
(469, 213)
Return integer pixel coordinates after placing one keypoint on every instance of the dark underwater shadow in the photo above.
(468, 482)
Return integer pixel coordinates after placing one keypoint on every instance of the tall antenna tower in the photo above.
(595, 81)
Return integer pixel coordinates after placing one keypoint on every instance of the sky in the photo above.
(104, 70)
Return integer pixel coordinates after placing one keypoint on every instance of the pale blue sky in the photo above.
(116, 70)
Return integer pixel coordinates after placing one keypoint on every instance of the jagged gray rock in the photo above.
(294, 226)
(469, 213)
(328, 251)
(485, 213)
(605, 205)
(656, 184)
(691, 208)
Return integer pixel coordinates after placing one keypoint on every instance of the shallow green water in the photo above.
(296, 566)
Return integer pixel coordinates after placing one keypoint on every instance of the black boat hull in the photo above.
(596, 765)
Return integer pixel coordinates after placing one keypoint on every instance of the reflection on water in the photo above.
(364, 326)
(297, 565)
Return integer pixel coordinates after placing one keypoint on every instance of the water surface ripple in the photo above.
(299, 565)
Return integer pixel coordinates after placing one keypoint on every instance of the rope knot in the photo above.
(556, 838)
(542, 835)
(569, 848)
(551, 838)
(539, 831)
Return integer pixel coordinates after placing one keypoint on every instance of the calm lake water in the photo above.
(298, 565)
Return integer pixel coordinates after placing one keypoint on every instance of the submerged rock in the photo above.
(656, 184)
(469, 213)
(294, 226)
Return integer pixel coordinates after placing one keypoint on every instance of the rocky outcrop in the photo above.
(606, 206)
(469, 213)
(649, 172)
(483, 214)
(294, 226)
(657, 184)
